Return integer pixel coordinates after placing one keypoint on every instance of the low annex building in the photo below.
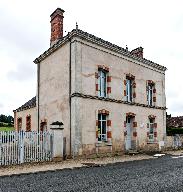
(109, 99)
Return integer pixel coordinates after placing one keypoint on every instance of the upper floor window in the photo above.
(102, 83)
(129, 90)
(151, 93)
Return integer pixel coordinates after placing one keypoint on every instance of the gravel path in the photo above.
(158, 174)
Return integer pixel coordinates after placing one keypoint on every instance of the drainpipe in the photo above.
(70, 94)
(38, 85)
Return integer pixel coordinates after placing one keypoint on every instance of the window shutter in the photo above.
(97, 123)
(154, 90)
(154, 99)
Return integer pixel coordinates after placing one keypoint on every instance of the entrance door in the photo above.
(128, 143)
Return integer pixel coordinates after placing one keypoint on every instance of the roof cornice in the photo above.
(98, 41)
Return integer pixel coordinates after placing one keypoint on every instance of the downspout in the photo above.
(70, 95)
(38, 85)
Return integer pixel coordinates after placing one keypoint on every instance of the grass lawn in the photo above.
(7, 129)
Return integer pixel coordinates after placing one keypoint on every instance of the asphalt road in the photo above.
(160, 174)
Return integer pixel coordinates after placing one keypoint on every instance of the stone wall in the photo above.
(174, 142)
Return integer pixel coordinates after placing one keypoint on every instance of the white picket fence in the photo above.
(22, 147)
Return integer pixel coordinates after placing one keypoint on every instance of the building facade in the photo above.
(109, 99)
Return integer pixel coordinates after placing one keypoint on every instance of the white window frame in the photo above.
(102, 118)
(129, 90)
(150, 95)
(151, 131)
(102, 83)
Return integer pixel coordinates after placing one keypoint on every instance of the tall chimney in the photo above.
(138, 52)
(56, 25)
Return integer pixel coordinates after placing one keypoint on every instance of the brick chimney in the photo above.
(137, 52)
(56, 25)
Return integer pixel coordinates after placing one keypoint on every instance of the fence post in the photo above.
(57, 130)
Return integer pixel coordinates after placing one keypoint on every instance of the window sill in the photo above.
(102, 144)
(151, 142)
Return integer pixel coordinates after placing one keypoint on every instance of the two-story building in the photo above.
(109, 99)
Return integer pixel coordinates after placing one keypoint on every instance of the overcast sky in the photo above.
(156, 25)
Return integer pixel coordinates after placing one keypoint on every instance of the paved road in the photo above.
(161, 174)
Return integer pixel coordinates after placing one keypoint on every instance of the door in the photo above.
(128, 143)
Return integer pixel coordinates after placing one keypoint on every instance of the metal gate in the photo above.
(22, 147)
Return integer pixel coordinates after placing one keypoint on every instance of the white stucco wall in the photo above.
(88, 57)
(54, 90)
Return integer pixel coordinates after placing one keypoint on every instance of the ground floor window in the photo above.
(19, 124)
(28, 123)
(102, 127)
(43, 126)
(151, 130)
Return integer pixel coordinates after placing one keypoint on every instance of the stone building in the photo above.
(109, 99)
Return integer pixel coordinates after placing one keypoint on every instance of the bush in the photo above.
(173, 131)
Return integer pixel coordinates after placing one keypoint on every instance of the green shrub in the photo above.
(173, 131)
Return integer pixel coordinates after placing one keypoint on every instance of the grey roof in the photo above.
(98, 41)
(29, 104)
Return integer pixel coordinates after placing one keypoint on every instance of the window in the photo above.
(102, 83)
(43, 126)
(28, 123)
(150, 95)
(19, 124)
(129, 90)
(151, 130)
(102, 127)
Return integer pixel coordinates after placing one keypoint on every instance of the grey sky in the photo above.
(156, 25)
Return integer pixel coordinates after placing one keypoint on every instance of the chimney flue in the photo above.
(56, 25)
(138, 52)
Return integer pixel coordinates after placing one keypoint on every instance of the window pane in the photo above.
(103, 137)
(102, 83)
(99, 116)
(103, 127)
(103, 117)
